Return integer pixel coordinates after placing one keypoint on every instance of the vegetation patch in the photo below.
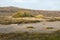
(22, 14)
(16, 21)
(51, 20)
(30, 27)
(58, 19)
(49, 28)
(30, 36)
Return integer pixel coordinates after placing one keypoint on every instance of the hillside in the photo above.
(7, 11)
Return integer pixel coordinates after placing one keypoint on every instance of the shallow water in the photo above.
(38, 27)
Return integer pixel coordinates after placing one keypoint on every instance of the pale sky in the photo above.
(32, 4)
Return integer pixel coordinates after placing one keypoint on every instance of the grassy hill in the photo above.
(7, 11)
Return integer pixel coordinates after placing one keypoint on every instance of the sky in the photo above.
(32, 4)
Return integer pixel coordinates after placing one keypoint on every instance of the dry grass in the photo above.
(18, 20)
(30, 36)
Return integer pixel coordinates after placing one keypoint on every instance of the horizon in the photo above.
(30, 9)
(52, 5)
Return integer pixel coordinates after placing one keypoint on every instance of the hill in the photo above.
(8, 11)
